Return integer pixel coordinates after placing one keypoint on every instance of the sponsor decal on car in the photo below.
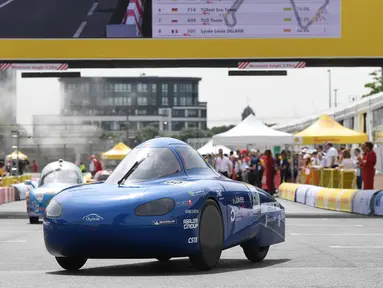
(92, 217)
(184, 203)
(238, 200)
(192, 211)
(190, 223)
(219, 192)
(165, 222)
(198, 192)
(193, 240)
(177, 182)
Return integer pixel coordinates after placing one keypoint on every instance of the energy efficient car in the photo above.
(162, 201)
(54, 177)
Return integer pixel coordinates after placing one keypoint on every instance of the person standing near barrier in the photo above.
(223, 164)
(331, 156)
(368, 166)
(358, 166)
(270, 171)
(284, 167)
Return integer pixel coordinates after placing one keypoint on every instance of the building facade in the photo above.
(96, 113)
(131, 103)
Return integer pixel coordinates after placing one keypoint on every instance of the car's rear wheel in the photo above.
(34, 220)
(254, 252)
(163, 259)
(71, 264)
(210, 237)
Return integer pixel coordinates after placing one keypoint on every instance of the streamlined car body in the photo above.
(162, 201)
(54, 177)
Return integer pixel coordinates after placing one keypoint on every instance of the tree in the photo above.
(193, 133)
(221, 129)
(246, 112)
(147, 133)
(376, 86)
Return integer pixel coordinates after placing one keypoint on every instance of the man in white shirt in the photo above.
(331, 156)
(223, 164)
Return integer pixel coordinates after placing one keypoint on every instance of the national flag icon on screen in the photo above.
(175, 31)
(174, 21)
(174, 9)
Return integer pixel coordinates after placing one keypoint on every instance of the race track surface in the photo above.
(55, 18)
(319, 251)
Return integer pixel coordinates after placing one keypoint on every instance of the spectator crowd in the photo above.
(262, 168)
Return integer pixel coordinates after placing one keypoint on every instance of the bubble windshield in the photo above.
(157, 163)
(61, 176)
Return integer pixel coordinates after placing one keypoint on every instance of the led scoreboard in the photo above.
(246, 18)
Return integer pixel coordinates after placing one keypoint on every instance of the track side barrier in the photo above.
(335, 199)
(311, 195)
(378, 204)
(21, 191)
(287, 191)
(364, 202)
(300, 194)
(7, 194)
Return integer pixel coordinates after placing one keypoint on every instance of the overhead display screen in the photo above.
(240, 30)
(246, 18)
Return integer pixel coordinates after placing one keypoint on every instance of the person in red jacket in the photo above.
(269, 165)
(98, 165)
(35, 168)
(368, 166)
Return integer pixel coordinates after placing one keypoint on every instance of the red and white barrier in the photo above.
(134, 15)
(7, 194)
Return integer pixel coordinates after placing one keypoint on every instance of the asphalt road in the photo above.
(55, 18)
(319, 252)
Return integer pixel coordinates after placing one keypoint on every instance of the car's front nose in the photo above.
(106, 226)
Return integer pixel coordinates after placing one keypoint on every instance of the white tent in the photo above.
(209, 148)
(252, 131)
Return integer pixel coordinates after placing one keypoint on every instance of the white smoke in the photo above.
(7, 110)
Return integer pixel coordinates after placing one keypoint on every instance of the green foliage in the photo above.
(193, 133)
(246, 112)
(221, 129)
(376, 86)
(146, 133)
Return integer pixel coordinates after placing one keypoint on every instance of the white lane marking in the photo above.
(91, 11)
(333, 234)
(356, 247)
(15, 241)
(80, 29)
(6, 3)
(322, 225)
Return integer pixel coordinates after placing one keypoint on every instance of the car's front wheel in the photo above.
(255, 253)
(34, 220)
(210, 237)
(71, 264)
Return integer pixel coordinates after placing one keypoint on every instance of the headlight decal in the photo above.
(155, 208)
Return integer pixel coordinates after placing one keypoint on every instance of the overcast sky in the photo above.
(274, 99)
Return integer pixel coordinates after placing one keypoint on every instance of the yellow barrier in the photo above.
(335, 199)
(287, 191)
(321, 198)
(329, 178)
(10, 180)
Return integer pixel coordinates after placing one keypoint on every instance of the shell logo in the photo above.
(296, 139)
(332, 198)
(320, 198)
(326, 123)
(344, 201)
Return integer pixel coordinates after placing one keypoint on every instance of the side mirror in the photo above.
(29, 183)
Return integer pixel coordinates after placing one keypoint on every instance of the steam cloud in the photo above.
(7, 110)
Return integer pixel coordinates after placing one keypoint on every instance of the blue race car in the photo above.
(162, 201)
(54, 177)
